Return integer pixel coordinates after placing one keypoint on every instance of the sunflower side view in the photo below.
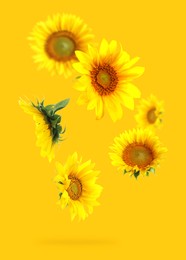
(48, 127)
(76, 183)
(55, 41)
(105, 81)
(137, 152)
(150, 113)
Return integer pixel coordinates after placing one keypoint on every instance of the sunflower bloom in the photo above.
(150, 113)
(76, 182)
(48, 128)
(105, 81)
(137, 152)
(55, 41)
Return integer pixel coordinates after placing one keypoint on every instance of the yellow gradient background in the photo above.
(143, 219)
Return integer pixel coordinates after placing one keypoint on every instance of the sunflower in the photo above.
(76, 182)
(105, 81)
(150, 113)
(56, 40)
(48, 128)
(137, 152)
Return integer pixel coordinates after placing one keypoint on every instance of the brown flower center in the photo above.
(137, 154)
(104, 79)
(75, 188)
(151, 115)
(61, 46)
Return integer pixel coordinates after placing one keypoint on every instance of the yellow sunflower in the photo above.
(56, 40)
(48, 128)
(76, 182)
(105, 81)
(150, 113)
(137, 152)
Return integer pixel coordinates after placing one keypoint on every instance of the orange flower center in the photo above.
(60, 46)
(151, 115)
(138, 155)
(75, 188)
(104, 79)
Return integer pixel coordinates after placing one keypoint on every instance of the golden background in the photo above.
(143, 219)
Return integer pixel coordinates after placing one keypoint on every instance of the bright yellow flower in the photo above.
(137, 152)
(48, 128)
(77, 186)
(106, 78)
(56, 40)
(150, 113)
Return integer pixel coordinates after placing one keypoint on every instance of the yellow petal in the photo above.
(125, 100)
(79, 86)
(59, 168)
(114, 108)
(79, 67)
(113, 47)
(103, 48)
(92, 104)
(131, 63)
(99, 108)
(134, 72)
(82, 99)
(82, 57)
(131, 90)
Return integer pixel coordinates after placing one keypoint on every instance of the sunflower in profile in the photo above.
(105, 81)
(76, 182)
(150, 113)
(48, 128)
(56, 40)
(137, 152)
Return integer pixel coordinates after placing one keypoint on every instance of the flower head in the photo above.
(150, 113)
(137, 152)
(48, 128)
(55, 41)
(76, 182)
(105, 81)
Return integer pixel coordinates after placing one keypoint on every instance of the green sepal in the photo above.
(55, 120)
(48, 110)
(62, 132)
(152, 170)
(51, 118)
(61, 105)
(136, 174)
(125, 171)
(56, 131)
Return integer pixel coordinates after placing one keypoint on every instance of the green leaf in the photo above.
(61, 105)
